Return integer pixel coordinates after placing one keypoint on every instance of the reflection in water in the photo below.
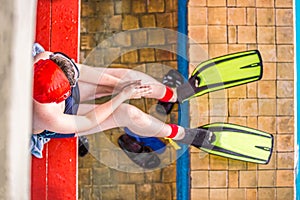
(137, 35)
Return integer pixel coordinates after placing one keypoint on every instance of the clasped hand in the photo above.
(135, 90)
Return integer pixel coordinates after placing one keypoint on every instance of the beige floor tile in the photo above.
(218, 179)
(248, 179)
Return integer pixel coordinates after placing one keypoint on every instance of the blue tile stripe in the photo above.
(183, 161)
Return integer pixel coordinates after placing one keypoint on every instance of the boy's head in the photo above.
(50, 82)
(53, 78)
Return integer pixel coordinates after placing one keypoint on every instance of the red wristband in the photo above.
(174, 132)
(168, 95)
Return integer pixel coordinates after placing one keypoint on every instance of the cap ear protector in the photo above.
(50, 83)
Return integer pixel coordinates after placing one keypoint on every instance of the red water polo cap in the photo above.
(50, 83)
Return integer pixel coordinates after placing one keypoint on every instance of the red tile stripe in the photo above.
(55, 176)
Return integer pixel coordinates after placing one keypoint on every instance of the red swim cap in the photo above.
(50, 83)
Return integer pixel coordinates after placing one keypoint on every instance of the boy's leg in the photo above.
(159, 90)
(145, 125)
(129, 116)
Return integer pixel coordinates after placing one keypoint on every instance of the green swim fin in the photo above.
(222, 72)
(240, 143)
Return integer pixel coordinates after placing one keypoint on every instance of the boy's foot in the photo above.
(198, 137)
(172, 79)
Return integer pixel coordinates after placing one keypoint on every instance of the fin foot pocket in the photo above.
(172, 79)
(198, 137)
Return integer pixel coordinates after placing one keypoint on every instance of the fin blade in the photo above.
(227, 71)
(231, 143)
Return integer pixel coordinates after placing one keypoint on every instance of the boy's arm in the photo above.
(95, 76)
(51, 119)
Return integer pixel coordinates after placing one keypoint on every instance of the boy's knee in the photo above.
(131, 112)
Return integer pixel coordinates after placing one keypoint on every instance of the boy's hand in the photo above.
(135, 90)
